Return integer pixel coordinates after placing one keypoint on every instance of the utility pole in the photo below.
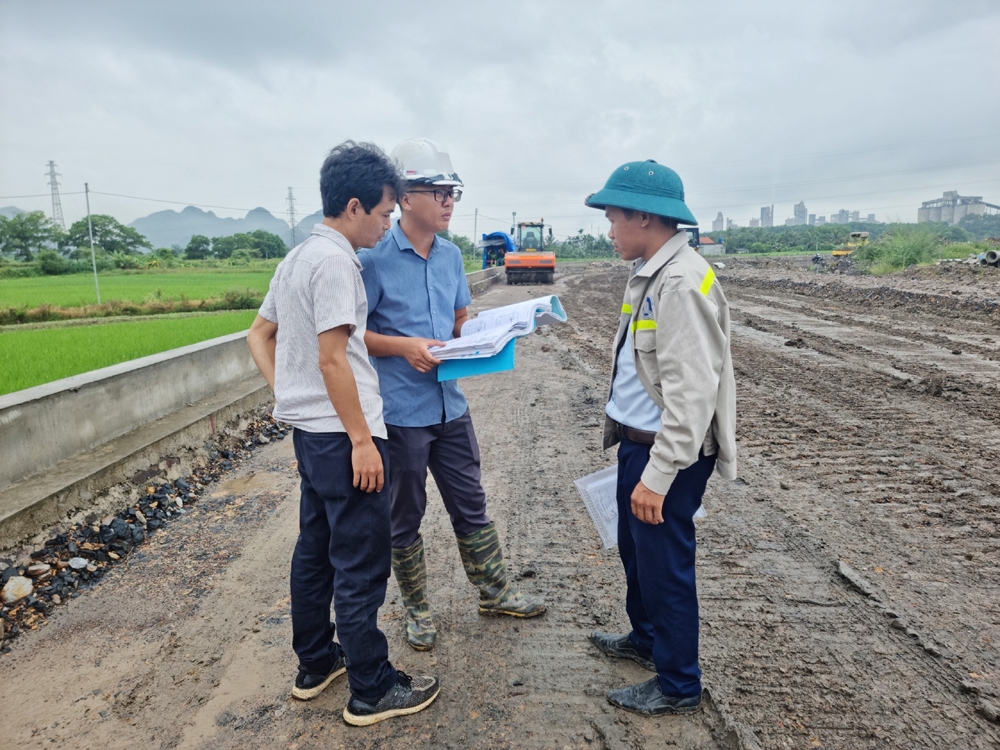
(475, 226)
(513, 222)
(90, 230)
(291, 213)
(57, 214)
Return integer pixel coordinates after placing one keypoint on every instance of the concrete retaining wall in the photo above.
(64, 443)
(480, 281)
(43, 426)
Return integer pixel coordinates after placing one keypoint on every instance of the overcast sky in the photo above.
(868, 106)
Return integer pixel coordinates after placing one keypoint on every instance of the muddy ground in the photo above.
(848, 579)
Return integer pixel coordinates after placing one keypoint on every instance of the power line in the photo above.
(37, 195)
(178, 203)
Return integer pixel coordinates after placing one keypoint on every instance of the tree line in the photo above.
(821, 239)
(33, 238)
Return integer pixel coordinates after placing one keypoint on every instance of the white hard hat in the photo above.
(422, 162)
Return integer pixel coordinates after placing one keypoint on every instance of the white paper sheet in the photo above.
(599, 492)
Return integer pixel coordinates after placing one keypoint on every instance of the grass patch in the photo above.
(138, 287)
(908, 245)
(33, 357)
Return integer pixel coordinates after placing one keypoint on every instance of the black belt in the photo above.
(636, 436)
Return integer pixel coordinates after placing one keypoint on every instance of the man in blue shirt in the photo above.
(418, 298)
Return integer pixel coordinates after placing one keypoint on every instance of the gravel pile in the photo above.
(76, 558)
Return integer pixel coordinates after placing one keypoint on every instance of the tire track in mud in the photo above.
(846, 454)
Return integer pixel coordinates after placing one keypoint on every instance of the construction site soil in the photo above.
(848, 579)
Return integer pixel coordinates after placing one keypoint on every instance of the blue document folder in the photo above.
(452, 369)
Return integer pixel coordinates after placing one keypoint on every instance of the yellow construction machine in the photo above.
(856, 240)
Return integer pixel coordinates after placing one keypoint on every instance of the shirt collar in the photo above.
(662, 256)
(339, 240)
(403, 242)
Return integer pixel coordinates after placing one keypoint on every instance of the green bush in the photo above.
(52, 263)
(902, 246)
(242, 298)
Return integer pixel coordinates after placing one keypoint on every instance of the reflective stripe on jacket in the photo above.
(679, 318)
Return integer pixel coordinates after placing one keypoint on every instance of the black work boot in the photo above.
(487, 571)
(647, 699)
(408, 696)
(619, 646)
(411, 575)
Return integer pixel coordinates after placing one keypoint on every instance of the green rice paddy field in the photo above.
(30, 357)
(74, 290)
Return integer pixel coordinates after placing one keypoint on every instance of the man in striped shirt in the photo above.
(308, 342)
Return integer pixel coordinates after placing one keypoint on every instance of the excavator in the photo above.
(856, 240)
(525, 260)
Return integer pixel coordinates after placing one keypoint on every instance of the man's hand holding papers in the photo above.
(488, 333)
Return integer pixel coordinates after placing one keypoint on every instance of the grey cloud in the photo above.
(228, 103)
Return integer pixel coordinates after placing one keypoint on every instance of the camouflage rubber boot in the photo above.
(486, 569)
(411, 574)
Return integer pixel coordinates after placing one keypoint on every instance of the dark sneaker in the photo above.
(648, 699)
(408, 696)
(619, 646)
(308, 686)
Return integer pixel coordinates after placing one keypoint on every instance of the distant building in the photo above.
(755, 222)
(855, 216)
(711, 247)
(717, 225)
(789, 222)
(801, 214)
(812, 220)
(952, 208)
(842, 216)
(820, 221)
(871, 218)
(730, 224)
(767, 216)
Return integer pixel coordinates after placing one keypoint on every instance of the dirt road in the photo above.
(867, 446)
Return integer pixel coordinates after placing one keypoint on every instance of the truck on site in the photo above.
(856, 240)
(525, 259)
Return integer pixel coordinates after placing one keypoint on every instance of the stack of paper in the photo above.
(599, 492)
(487, 334)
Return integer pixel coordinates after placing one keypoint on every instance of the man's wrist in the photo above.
(362, 441)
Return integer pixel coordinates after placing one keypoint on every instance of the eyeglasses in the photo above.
(440, 194)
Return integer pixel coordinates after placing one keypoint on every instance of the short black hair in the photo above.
(357, 170)
(667, 222)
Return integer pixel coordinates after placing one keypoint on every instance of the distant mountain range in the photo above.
(168, 228)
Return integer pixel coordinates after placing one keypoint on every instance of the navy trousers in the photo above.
(450, 450)
(343, 555)
(662, 597)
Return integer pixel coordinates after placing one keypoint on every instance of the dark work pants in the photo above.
(662, 598)
(343, 555)
(451, 452)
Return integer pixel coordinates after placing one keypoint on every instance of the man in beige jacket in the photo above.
(672, 409)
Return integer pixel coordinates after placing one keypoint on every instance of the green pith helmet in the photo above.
(645, 186)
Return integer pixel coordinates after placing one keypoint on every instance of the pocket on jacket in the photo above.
(645, 340)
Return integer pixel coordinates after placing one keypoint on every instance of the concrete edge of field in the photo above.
(65, 446)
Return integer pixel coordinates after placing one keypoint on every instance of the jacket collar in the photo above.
(664, 255)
